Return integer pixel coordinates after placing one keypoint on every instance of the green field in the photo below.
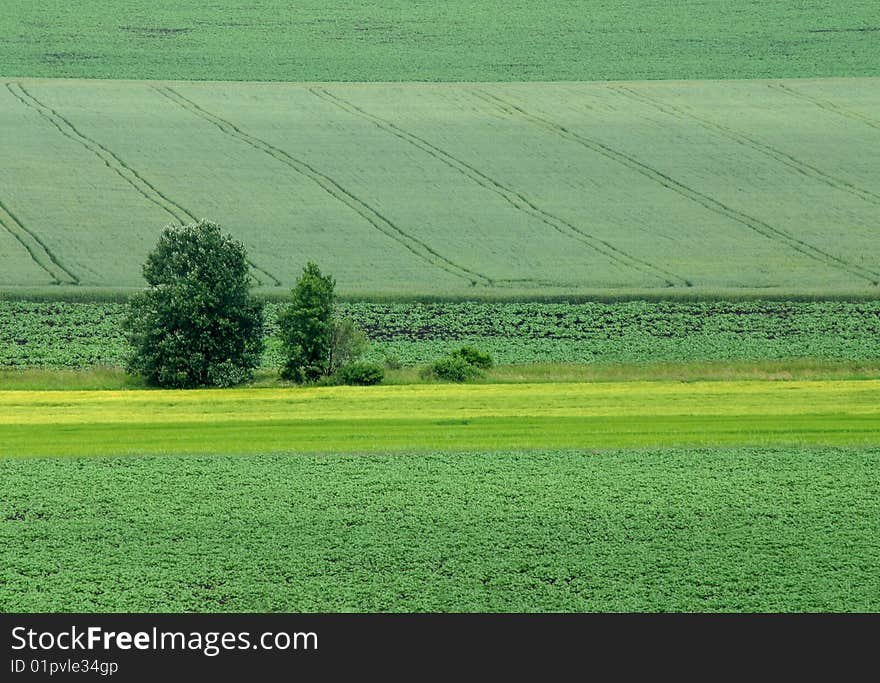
(444, 417)
(661, 220)
(453, 40)
(693, 530)
(595, 335)
(560, 188)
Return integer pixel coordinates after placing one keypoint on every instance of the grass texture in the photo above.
(447, 417)
(787, 530)
(109, 378)
(559, 188)
(454, 40)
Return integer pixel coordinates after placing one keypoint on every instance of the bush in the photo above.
(360, 374)
(453, 369)
(347, 344)
(474, 357)
(306, 327)
(197, 324)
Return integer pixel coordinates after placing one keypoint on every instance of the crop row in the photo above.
(88, 334)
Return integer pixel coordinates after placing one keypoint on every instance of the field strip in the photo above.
(755, 224)
(331, 187)
(511, 196)
(36, 248)
(146, 189)
(340, 419)
(827, 105)
(792, 162)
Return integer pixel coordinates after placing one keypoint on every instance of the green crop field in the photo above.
(559, 188)
(83, 335)
(661, 219)
(689, 530)
(453, 40)
(447, 417)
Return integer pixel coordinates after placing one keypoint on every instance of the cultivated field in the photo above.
(661, 219)
(83, 335)
(690, 530)
(709, 187)
(448, 417)
(453, 40)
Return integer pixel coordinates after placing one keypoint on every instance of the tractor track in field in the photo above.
(36, 248)
(756, 225)
(413, 244)
(802, 167)
(110, 159)
(511, 196)
(113, 161)
(827, 105)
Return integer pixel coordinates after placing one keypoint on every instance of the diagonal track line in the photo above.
(750, 222)
(827, 105)
(39, 252)
(111, 160)
(514, 198)
(792, 162)
(333, 188)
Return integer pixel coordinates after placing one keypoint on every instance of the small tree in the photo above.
(306, 327)
(197, 324)
(347, 344)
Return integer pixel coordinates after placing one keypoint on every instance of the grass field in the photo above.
(444, 417)
(454, 40)
(559, 188)
(691, 530)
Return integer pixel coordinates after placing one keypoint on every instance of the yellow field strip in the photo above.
(754, 398)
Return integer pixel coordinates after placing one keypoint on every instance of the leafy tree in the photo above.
(306, 327)
(197, 324)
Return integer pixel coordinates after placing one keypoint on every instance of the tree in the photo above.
(306, 327)
(347, 344)
(197, 324)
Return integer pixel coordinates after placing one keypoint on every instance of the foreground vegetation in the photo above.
(399, 40)
(601, 186)
(789, 530)
(448, 417)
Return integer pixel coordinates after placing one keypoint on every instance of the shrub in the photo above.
(474, 357)
(306, 327)
(453, 369)
(197, 324)
(347, 344)
(360, 374)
